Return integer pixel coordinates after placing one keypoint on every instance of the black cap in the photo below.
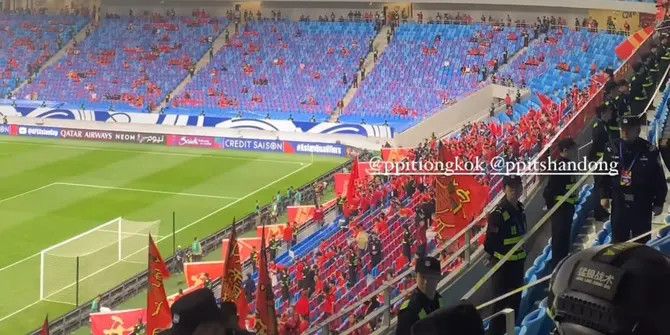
(512, 180)
(462, 319)
(192, 310)
(629, 120)
(428, 266)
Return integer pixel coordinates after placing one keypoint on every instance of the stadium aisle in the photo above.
(534, 212)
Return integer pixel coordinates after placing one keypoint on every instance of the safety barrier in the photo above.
(79, 317)
(464, 247)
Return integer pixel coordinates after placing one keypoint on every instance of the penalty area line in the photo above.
(180, 229)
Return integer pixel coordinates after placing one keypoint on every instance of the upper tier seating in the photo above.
(418, 74)
(27, 41)
(279, 68)
(130, 63)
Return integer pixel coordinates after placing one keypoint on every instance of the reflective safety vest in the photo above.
(572, 199)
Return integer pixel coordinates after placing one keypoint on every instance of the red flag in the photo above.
(458, 199)
(353, 178)
(266, 319)
(231, 286)
(116, 322)
(194, 272)
(159, 316)
(45, 326)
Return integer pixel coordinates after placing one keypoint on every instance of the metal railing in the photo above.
(79, 317)
(460, 244)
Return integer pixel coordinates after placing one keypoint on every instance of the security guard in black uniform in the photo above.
(638, 92)
(554, 192)
(639, 188)
(506, 227)
(604, 131)
(621, 103)
(424, 299)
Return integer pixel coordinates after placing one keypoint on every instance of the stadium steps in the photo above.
(80, 37)
(379, 42)
(202, 63)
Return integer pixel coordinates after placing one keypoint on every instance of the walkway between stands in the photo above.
(369, 63)
(80, 37)
(202, 63)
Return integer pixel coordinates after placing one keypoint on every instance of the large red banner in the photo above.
(246, 244)
(459, 200)
(196, 270)
(299, 214)
(275, 230)
(116, 322)
(395, 154)
(341, 183)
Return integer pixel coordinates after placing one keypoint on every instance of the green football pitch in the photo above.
(51, 191)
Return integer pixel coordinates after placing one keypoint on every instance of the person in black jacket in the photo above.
(506, 227)
(639, 189)
(424, 299)
(555, 192)
(604, 131)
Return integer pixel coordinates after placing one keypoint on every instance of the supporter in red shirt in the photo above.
(288, 234)
(303, 325)
(302, 306)
(318, 215)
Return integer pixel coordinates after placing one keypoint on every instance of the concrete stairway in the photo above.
(202, 63)
(80, 37)
(378, 43)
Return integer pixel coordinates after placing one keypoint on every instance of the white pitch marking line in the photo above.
(24, 193)
(164, 153)
(178, 230)
(146, 191)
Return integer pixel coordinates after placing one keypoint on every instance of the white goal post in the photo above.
(85, 265)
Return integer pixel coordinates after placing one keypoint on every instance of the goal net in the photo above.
(88, 264)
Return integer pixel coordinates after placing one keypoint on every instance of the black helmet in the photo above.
(619, 289)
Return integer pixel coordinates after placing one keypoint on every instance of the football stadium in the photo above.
(323, 167)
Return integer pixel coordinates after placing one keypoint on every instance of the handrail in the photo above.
(548, 277)
(530, 233)
(130, 287)
(449, 243)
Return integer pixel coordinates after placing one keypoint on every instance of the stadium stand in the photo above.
(128, 62)
(28, 41)
(280, 69)
(423, 71)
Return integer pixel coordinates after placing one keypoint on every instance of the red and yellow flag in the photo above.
(266, 318)
(193, 272)
(353, 179)
(116, 322)
(299, 214)
(231, 286)
(395, 154)
(158, 311)
(458, 200)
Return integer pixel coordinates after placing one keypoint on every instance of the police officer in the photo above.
(639, 188)
(424, 299)
(604, 131)
(637, 90)
(554, 192)
(506, 227)
(621, 102)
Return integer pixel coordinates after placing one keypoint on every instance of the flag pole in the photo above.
(76, 291)
(174, 238)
